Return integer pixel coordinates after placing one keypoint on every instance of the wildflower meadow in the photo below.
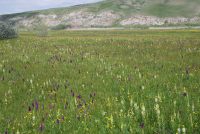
(112, 81)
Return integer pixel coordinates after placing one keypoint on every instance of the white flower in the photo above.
(131, 102)
(184, 130)
(142, 87)
(122, 102)
(122, 126)
(104, 113)
(179, 130)
(136, 106)
(96, 121)
(6, 101)
(33, 117)
(31, 81)
(174, 103)
(156, 100)
(17, 132)
(159, 98)
(157, 108)
(140, 76)
(58, 113)
(42, 92)
(143, 110)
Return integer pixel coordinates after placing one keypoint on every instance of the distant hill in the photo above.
(113, 13)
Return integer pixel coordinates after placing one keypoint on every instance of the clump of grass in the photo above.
(41, 30)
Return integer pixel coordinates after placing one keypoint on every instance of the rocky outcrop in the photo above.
(86, 19)
(74, 19)
(152, 20)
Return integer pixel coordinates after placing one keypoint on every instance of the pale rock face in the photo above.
(152, 20)
(87, 19)
(104, 19)
(77, 19)
(16, 18)
(26, 22)
(142, 20)
(176, 20)
(195, 19)
(49, 20)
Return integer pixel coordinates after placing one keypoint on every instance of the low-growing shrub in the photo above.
(41, 30)
(7, 31)
(61, 27)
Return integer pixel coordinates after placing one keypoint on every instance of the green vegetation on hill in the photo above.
(173, 9)
(160, 8)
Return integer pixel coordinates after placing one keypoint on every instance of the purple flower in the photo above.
(91, 96)
(80, 105)
(72, 93)
(43, 119)
(2, 79)
(41, 128)
(142, 125)
(56, 86)
(78, 117)
(79, 96)
(187, 70)
(67, 84)
(51, 106)
(36, 105)
(58, 121)
(6, 132)
(84, 102)
(33, 105)
(42, 106)
(63, 118)
(65, 106)
(29, 109)
(184, 94)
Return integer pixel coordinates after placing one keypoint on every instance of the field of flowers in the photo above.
(101, 82)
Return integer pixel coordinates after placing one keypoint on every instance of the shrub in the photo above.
(41, 30)
(60, 27)
(7, 31)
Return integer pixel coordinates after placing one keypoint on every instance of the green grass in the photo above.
(126, 8)
(164, 10)
(122, 81)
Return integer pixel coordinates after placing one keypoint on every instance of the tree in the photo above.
(7, 31)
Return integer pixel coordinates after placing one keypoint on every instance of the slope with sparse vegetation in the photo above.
(113, 13)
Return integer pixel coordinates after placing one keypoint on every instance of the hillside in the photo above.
(113, 13)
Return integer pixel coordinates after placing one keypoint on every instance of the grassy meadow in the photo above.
(145, 82)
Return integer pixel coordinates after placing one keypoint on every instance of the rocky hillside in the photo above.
(113, 13)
